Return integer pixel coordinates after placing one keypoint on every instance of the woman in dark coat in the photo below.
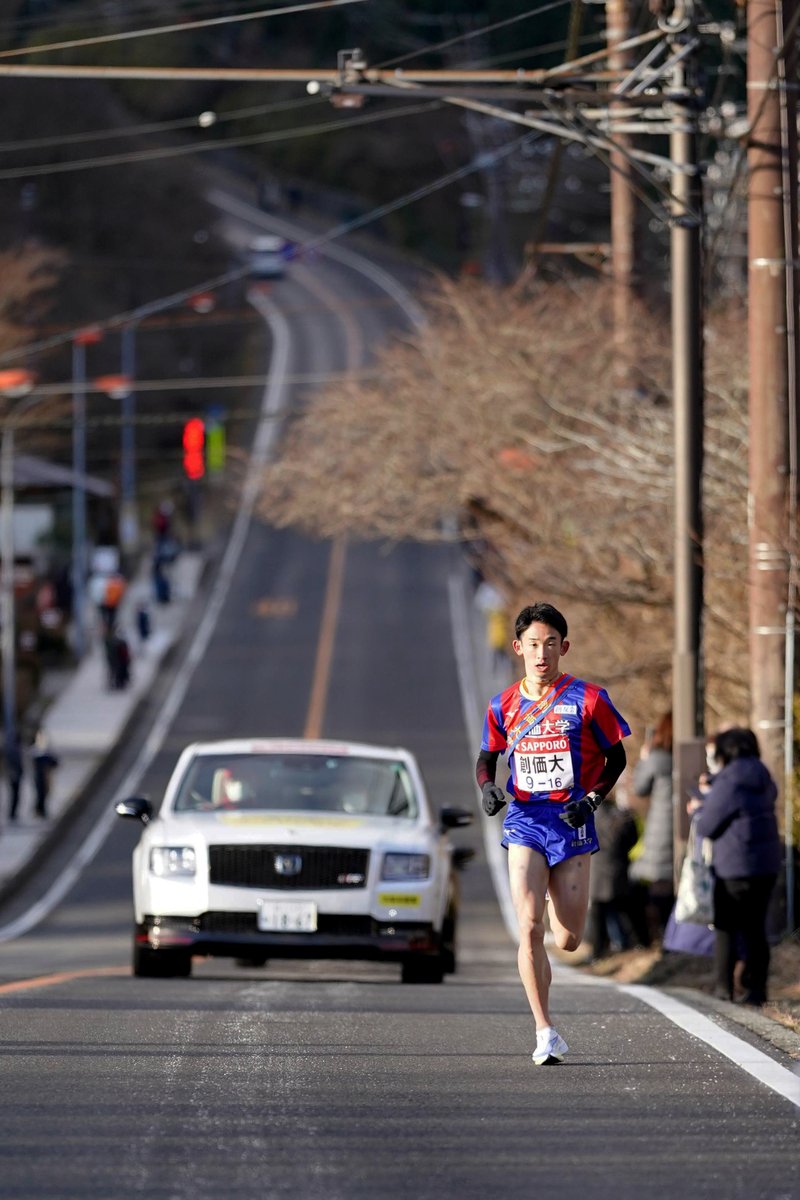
(652, 871)
(738, 815)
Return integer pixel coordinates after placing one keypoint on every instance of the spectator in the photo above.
(738, 816)
(14, 773)
(611, 923)
(107, 592)
(44, 763)
(143, 623)
(162, 522)
(653, 868)
(690, 937)
(490, 602)
(118, 661)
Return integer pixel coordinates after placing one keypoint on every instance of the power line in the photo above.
(427, 189)
(713, 252)
(256, 139)
(237, 273)
(88, 12)
(465, 37)
(496, 60)
(181, 27)
(99, 135)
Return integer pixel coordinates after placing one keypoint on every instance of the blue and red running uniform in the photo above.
(556, 749)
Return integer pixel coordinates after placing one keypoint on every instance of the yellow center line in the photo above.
(40, 981)
(330, 616)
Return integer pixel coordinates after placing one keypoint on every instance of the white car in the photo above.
(295, 848)
(267, 255)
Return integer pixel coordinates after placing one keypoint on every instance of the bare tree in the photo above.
(503, 417)
(29, 274)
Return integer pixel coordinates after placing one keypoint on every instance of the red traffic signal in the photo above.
(194, 441)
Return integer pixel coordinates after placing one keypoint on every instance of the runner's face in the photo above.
(541, 648)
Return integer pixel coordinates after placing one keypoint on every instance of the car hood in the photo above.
(311, 829)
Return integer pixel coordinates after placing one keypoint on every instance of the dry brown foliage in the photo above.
(501, 419)
(29, 274)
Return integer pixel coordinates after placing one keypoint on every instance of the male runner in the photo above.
(563, 740)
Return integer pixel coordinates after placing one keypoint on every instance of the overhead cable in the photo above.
(255, 139)
(100, 135)
(180, 27)
(237, 273)
(465, 37)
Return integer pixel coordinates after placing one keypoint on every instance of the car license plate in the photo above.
(287, 916)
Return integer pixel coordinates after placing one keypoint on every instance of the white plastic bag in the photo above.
(695, 899)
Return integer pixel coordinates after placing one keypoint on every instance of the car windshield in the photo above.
(327, 783)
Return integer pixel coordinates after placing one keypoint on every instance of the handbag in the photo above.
(695, 899)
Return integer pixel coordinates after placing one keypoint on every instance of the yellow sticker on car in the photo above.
(398, 899)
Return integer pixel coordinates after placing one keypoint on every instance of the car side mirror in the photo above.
(136, 807)
(451, 817)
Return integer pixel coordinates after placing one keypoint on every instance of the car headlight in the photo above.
(405, 866)
(173, 862)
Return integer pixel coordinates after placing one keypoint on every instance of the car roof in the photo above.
(298, 746)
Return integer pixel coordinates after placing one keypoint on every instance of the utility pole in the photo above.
(623, 211)
(769, 265)
(787, 69)
(688, 714)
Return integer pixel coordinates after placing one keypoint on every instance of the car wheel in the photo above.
(161, 964)
(423, 969)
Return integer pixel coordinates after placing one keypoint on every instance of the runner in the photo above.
(562, 738)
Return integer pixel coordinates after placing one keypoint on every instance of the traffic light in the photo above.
(194, 440)
(215, 441)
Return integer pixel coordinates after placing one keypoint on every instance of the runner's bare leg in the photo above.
(568, 890)
(528, 875)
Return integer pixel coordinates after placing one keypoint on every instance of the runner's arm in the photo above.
(494, 798)
(616, 760)
(486, 766)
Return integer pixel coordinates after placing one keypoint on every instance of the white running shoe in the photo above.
(550, 1049)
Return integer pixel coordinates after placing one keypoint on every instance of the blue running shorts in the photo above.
(540, 827)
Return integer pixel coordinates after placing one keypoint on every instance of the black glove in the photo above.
(577, 812)
(493, 798)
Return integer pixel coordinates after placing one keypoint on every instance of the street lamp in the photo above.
(82, 339)
(14, 385)
(120, 387)
(123, 387)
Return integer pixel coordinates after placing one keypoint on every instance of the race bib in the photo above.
(543, 764)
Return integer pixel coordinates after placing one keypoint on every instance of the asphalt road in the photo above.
(334, 1080)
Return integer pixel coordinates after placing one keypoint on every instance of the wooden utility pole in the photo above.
(623, 213)
(771, 257)
(686, 239)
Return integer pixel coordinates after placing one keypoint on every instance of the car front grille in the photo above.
(288, 867)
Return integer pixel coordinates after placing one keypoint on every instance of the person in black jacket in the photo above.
(738, 816)
(613, 919)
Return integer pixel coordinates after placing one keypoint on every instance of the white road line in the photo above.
(763, 1068)
(464, 653)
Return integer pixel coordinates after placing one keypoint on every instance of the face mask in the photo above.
(712, 762)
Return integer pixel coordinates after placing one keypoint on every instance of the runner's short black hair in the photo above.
(540, 614)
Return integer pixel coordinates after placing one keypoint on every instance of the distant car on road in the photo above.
(296, 849)
(267, 255)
